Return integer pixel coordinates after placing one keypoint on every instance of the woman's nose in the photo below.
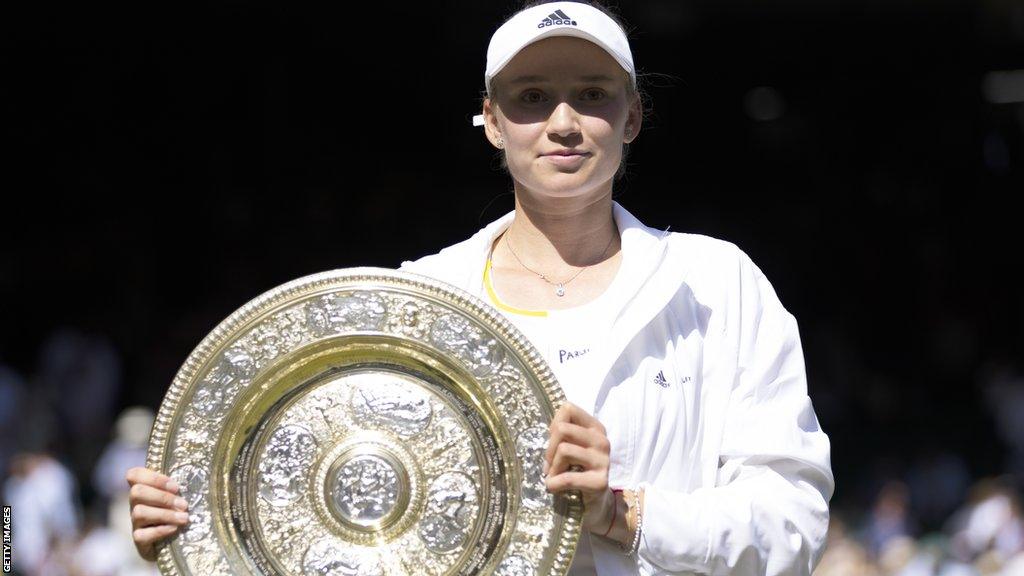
(564, 120)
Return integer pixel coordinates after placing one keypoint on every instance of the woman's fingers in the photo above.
(568, 455)
(587, 481)
(145, 494)
(571, 423)
(578, 452)
(156, 509)
(560, 432)
(570, 412)
(145, 538)
(140, 475)
(145, 516)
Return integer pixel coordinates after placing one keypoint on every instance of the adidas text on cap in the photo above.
(555, 19)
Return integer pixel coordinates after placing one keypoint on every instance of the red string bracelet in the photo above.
(615, 508)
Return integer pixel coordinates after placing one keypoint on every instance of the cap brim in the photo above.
(560, 31)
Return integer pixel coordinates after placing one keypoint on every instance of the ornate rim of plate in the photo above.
(364, 421)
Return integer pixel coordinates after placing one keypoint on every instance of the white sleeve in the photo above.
(768, 512)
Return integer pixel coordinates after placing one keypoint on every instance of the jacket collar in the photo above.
(640, 245)
(645, 290)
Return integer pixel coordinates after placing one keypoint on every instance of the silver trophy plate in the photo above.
(364, 422)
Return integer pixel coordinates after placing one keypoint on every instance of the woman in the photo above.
(688, 429)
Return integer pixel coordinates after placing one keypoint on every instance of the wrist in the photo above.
(635, 511)
(611, 509)
(615, 527)
(633, 521)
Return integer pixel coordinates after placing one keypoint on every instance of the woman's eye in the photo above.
(532, 97)
(593, 94)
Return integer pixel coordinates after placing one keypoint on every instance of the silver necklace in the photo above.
(559, 286)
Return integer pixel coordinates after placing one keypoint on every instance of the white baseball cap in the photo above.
(555, 19)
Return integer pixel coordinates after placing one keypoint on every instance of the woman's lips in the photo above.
(565, 158)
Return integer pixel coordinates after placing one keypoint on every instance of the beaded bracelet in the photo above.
(635, 545)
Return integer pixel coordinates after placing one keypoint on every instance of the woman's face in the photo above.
(563, 108)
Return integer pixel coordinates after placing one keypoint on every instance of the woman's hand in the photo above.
(157, 510)
(577, 458)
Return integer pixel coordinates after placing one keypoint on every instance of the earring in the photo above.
(501, 143)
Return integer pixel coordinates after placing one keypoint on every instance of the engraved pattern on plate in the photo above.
(515, 566)
(191, 481)
(411, 318)
(205, 557)
(451, 507)
(481, 353)
(413, 557)
(288, 531)
(366, 489)
(325, 411)
(278, 335)
(530, 447)
(446, 446)
(519, 402)
(193, 441)
(215, 392)
(193, 486)
(402, 408)
(335, 313)
(284, 462)
(236, 366)
(200, 523)
(532, 534)
(513, 396)
(328, 558)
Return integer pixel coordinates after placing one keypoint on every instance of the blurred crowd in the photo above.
(67, 443)
(983, 536)
(66, 447)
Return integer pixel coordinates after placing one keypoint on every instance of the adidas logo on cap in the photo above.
(555, 18)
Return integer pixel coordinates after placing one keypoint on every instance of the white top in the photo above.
(702, 389)
(564, 338)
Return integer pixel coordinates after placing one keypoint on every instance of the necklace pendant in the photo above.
(560, 290)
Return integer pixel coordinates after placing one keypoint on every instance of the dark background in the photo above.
(172, 162)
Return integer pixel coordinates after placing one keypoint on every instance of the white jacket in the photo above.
(735, 467)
